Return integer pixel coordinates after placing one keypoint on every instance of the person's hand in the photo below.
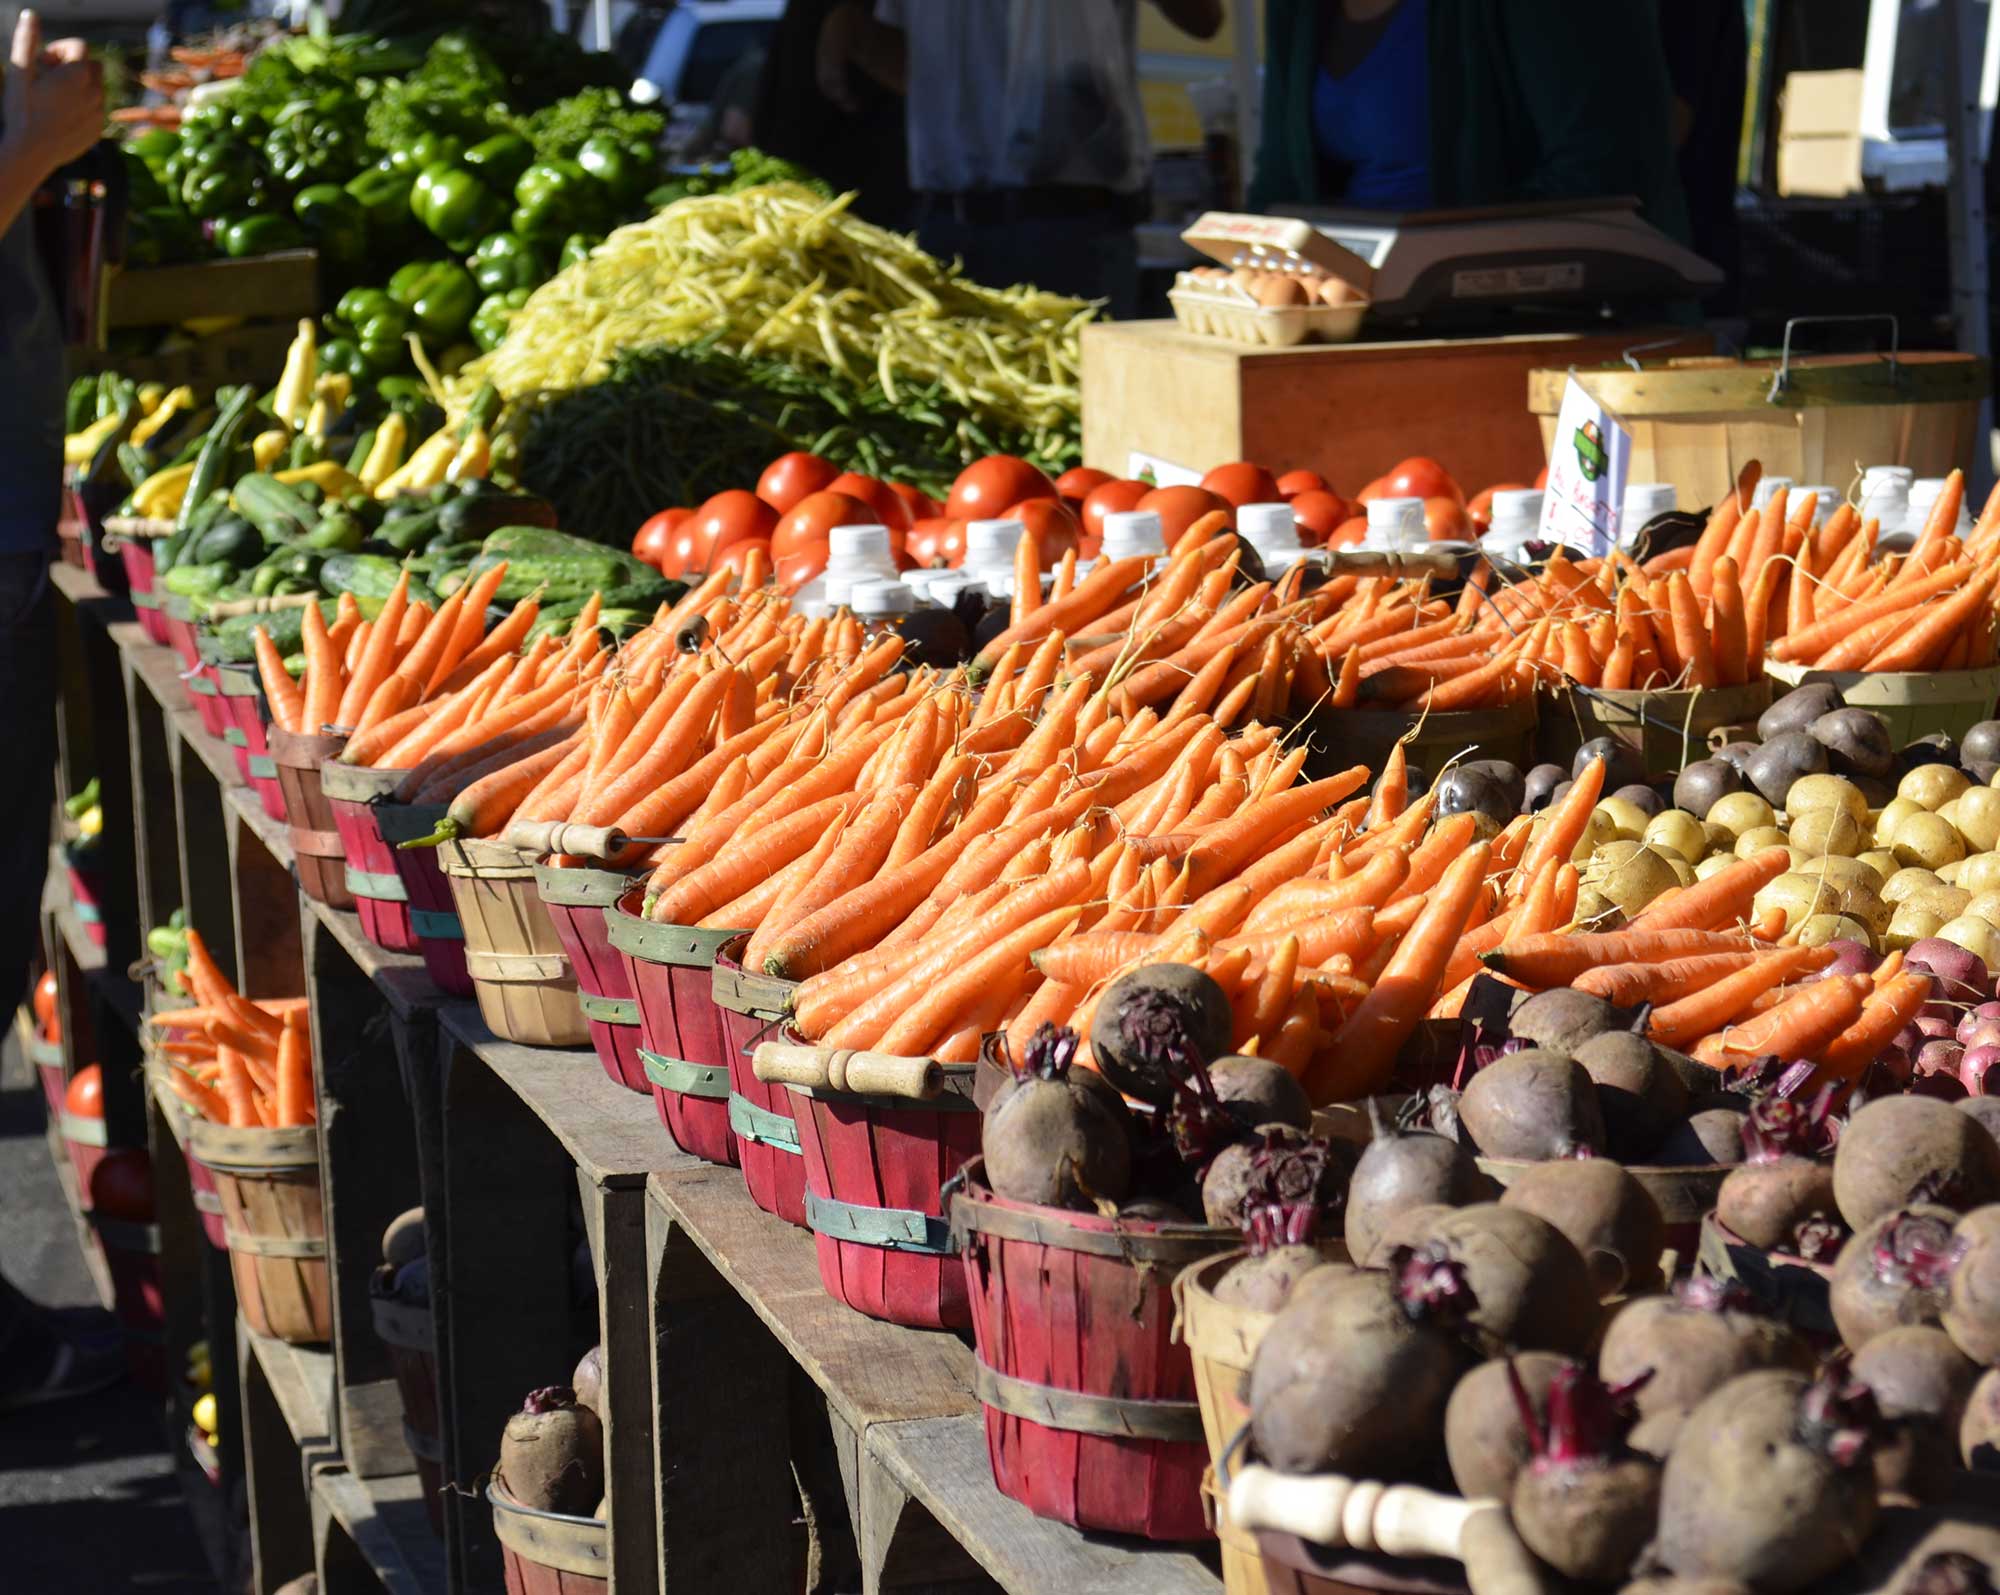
(838, 36)
(52, 104)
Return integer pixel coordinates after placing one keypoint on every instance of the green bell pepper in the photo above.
(556, 198)
(506, 261)
(217, 186)
(153, 147)
(259, 235)
(454, 204)
(305, 149)
(161, 236)
(499, 161)
(625, 169)
(378, 325)
(495, 312)
(577, 247)
(383, 193)
(333, 218)
(426, 149)
(343, 357)
(440, 296)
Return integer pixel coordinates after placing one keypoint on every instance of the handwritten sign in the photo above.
(1588, 467)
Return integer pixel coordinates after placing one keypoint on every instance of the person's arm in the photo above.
(854, 37)
(1199, 19)
(51, 111)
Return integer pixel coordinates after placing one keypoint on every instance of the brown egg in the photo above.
(1277, 291)
(1336, 292)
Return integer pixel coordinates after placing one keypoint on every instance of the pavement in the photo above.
(90, 1502)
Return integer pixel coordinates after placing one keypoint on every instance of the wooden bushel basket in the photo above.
(1668, 730)
(47, 1057)
(549, 1553)
(520, 973)
(1344, 737)
(1091, 1412)
(247, 730)
(576, 900)
(86, 891)
(760, 1115)
(876, 1167)
(407, 1332)
(1222, 1339)
(132, 1258)
(316, 845)
(205, 693)
(1912, 704)
(177, 617)
(433, 913)
(670, 969)
(84, 1140)
(274, 1225)
(201, 1183)
(380, 897)
(134, 537)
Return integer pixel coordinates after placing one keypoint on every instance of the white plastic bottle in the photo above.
(1273, 531)
(1885, 497)
(1517, 521)
(989, 554)
(1133, 534)
(1643, 501)
(1924, 494)
(1396, 523)
(855, 554)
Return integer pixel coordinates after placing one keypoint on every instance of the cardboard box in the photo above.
(1820, 168)
(1820, 105)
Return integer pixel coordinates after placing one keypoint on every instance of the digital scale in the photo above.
(1451, 266)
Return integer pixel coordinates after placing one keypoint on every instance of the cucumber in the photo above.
(278, 511)
(232, 641)
(472, 516)
(370, 577)
(560, 565)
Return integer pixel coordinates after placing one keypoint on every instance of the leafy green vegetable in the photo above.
(558, 131)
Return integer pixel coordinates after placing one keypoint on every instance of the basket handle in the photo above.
(1392, 562)
(1781, 379)
(1361, 1514)
(868, 1074)
(563, 836)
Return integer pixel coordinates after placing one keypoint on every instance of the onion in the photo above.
(1853, 957)
(1979, 1071)
(1961, 976)
(1940, 1057)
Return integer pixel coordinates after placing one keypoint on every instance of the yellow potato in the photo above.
(1811, 792)
(1712, 864)
(1975, 935)
(1881, 861)
(1802, 894)
(1906, 883)
(1986, 905)
(1683, 870)
(1595, 911)
(1628, 820)
(1928, 839)
(1720, 838)
(1978, 873)
(1757, 838)
(1823, 928)
(1909, 925)
(1828, 830)
(1931, 786)
(1597, 830)
(1978, 818)
(1894, 812)
(1740, 812)
(1631, 879)
(1681, 834)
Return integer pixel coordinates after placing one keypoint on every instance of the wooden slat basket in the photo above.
(670, 969)
(274, 1224)
(433, 911)
(549, 1553)
(760, 1115)
(1091, 1410)
(247, 730)
(577, 900)
(353, 792)
(316, 845)
(408, 1333)
(527, 991)
(1344, 737)
(1668, 730)
(135, 537)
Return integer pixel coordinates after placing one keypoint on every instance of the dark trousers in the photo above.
(1092, 255)
(28, 745)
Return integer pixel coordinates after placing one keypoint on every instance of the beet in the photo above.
(1283, 1167)
(1401, 1170)
(1485, 1440)
(1154, 1025)
(588, 1381)
(1532, 1105)
(1893, 1272)
(1708, 1136)
(1921, 1382)
(1902, 1149)
(1639, 1092)
(1608, 1216)
(1984, 1110)
(1979, 1429)
(1781, 1184)
(1257, 1092)
(1563, 1020)
(1586, 1503)
(1770, 1481)
(1056, 1135)
(1353, 1375)
(1695, 1341)
(1951, 1548)
(552, 1454)
(1972, 1308)
(1534, 1291)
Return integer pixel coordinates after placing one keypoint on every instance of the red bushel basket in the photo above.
(382, 901)
(246, 719)
(767, 1141)
(433, 913)
(577, 899)
(669, 969)
(86, 891)
(134, 538)
(1091, 1414)
(549, 1553)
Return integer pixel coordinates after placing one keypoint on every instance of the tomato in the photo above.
(919, 503)
(45, 999)
(934, 541)
(804, 527)
(85, 1097)
(1445, 520)
(652, 540)
(1480, 507)
(684, 557)
(793, 573)
(886, 502)
(1076, 483)
(1109, 498)
(1318, 514)
(732, 557)
(1055, 530)
(121, 1186)
(1293, 483)
(1242, 483)
(984, 487)
(1420, 477)
(1348, 532)
(1180, 507)
(727, 518)
(790, 477)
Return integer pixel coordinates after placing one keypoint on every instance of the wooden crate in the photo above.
(281, 286)
(1348, 411)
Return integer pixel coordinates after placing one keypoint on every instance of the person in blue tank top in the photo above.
(51, 112)
(1371, 101)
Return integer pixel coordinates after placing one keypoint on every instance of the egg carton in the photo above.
(1232, 316)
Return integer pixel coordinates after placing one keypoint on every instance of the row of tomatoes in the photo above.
(121, 1184)
(801, 497)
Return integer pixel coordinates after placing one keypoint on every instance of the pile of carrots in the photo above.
(237, 1062)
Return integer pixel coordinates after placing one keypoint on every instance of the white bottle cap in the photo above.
(1396, 523)
(852, 545)
(990, 543)
(1884, 473)
(1644, 500)
(1767, 488)
(835, 589)
(1268, 523)
(1133, 534)
(877, 598)
(1517, 504)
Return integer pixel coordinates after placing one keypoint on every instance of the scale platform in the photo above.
(1466, 265)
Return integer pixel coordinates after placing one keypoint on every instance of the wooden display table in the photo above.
(1349, 411)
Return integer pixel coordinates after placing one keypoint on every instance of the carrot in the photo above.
(234, 1086)
(493, 789)
(323, 681)
(468, 626)
(1722, 899)
(1690, 636)
(1798, 1027)
(928, 1017)
(1894, 1004)
(1715, 536)
(1362, 1055)
(295, 1082)
(1392, 788)
(1920, 646)
(1564, 827)
(1706, 1011)
(1370, 886)
(863, 844)
(732, 870)
(286, 698)
(1846, 619)
(1731, 657)
(379, 750)
(1224, 849)
(1554, 960)
(203, 1098)
(1631, 984)
(500, 642)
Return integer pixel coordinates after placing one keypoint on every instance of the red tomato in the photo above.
(1180, 507)
(1379, 488)
(1076, 483)
(790, 477)
(1421, 477)
(919, 503)
(932, 539)
(805, 525)
(1242, 483)
(684, 557)
(1109, 498)
(727, 518)
(878, 495)
(85, 1097)
(1055, 530)
(45, 999)
(652, 540)
(1293, 483)
(984, 487)
(1445, 520)
(1319, 515)
(1349, 532)
(793, 573)
(1480, 508)
(121, 1186)
(732, 557)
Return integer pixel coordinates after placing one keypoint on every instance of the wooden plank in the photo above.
(941, 1463)
(204, 846)
(156, 853)
(283, 285)
(615, 1218)
(281, 1529)
(386, 1523)
(264, 905)
(400, 977)
(92, 734)
(612, 1134)
(301, 1381)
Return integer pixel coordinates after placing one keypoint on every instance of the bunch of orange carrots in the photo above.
(241, 1063)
